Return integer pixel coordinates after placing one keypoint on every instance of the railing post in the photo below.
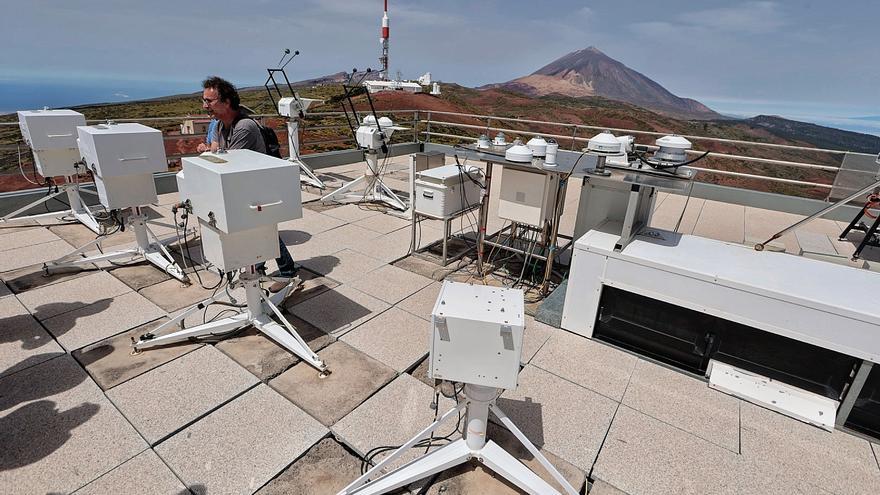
(415, 126)
(573, 136)
(428, 129)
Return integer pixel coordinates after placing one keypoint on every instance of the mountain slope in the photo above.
(589, 72)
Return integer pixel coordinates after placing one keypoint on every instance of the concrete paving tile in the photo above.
(24, 238)
(4, 290)
(263, 357)
(26, 256)
(599, 367)
(430, 269)
(407, 401)
(721, 221)
(105, 318)
(57, 430)
(325, 469)
(23, 341)
(167, 398)
(77, 234)
(313, 285)
(139, 275)
(353, 213)
(536, 334)
(172, 295)
(269, 432)
(387, 248)
(18, 225)
(29, 277)
(345, 266)
(600, 487)
(395, 338)
(834, 461)
(110, 362)
(814, 243)
(339, 310)
(667, 215)
(422, 302)
(391, 284)
(559, 416)
(642, 455)
(145, 474)
(383, 224)
(51, 300)
(312, 222)
(354, 377)
(473, 477)
(684, 402)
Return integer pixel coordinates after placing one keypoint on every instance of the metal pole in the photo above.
(842, 202)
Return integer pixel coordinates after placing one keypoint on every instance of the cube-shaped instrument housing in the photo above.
(123, 159)
(290, 106)
(477, 335)
(51, 134)
(240, 197)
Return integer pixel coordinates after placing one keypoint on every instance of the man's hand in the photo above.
(202, 147)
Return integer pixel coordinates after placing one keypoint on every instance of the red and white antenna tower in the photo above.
(383, 60)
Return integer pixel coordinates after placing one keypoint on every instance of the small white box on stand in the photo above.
(527, 197)
(442, 191)
(477, 335)
(123, 159)
(51, 134)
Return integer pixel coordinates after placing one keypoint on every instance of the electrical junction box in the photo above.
(51, 135)
(445, 190)
(477, 335)
(240, 190)
(527, 197)
(123, 159)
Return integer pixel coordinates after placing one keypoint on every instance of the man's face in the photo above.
(212, 104)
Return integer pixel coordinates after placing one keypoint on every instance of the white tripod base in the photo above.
(78, 209)
(258, 313)
(375, 190)
(479, 401)
(149, 247)
(307, 176)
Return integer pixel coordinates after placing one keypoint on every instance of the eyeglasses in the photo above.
(208, 101)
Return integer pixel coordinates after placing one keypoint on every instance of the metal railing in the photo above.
(426, 125)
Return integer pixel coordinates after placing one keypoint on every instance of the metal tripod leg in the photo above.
(869, 234)
(345, 192)
(308, 176)
(286, 335)
(214, 328)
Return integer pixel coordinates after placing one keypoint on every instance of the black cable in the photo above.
(658, 166)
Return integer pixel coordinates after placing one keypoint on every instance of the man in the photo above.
(236, 131)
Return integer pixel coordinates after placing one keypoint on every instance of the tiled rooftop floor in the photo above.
(78, 413)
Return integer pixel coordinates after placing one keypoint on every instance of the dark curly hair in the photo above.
(225, 88)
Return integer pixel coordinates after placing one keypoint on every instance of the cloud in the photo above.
(121, 95)
(750, 17)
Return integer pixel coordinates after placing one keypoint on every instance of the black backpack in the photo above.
(270, 139)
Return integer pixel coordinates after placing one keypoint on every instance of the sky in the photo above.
(815, 59)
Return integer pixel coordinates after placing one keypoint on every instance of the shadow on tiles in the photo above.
(55, 384)
(294, 237)
(527, 415)
(35, 430)
(10, 325)
(47, 311)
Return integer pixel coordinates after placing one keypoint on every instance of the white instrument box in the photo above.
(123, 159)
(240, 197)
(51, 134)
(527, 197)
(442, 191)
(477, 335)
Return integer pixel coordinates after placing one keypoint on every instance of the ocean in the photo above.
(29, 95)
